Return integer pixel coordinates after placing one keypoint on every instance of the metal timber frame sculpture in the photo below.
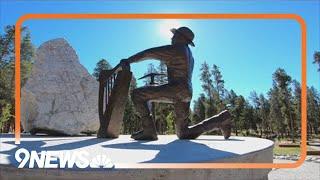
(113, 94)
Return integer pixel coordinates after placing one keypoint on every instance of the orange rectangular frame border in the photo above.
(295, 17)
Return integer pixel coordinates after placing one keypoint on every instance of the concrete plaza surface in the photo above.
(168, 149)
(309, 170)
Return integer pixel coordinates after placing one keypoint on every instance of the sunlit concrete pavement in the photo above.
(309, 170)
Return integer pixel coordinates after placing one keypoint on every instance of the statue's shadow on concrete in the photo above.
(178, 151)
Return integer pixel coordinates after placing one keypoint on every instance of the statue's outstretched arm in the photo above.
(159, 53)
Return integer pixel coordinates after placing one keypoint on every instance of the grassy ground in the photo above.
(286, 150)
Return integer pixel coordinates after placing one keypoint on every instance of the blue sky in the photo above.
(247, 51)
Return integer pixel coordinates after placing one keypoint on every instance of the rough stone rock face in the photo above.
(60, 95)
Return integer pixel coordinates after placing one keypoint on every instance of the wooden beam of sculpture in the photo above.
(116, 97)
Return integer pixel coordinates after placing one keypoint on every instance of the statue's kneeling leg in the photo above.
(140, 98)
(221, 121)
(182, 120)
(226, 130)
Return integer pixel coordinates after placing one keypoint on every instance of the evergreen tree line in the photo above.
(274, 114)
(7, 78)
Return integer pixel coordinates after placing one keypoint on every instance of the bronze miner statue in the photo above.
(179, 61)
(114, 86)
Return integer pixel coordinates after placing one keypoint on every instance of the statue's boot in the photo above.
(226, 130)
(149, 130)
(222, 121)
(141, 135)
(102, 132)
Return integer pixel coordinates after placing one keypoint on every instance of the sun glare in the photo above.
(166, 25)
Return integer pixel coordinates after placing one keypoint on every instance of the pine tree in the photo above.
(207, 86)
(296, 102)
(7, 64)
(313, 110)
(101, 65)
(263, 113)
(5, 115)
(7, 44)
(282, 81)
(28, 50)
(206, 81)
(277, 123)
(199, 109)
(218, 81)
(238, 110)
(131, 121)
(231, 98)
(256, 117)
(246, 118)
(219, 90)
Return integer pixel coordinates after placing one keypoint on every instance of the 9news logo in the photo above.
(61, 159)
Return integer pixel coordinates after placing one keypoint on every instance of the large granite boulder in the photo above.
(60, 96)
